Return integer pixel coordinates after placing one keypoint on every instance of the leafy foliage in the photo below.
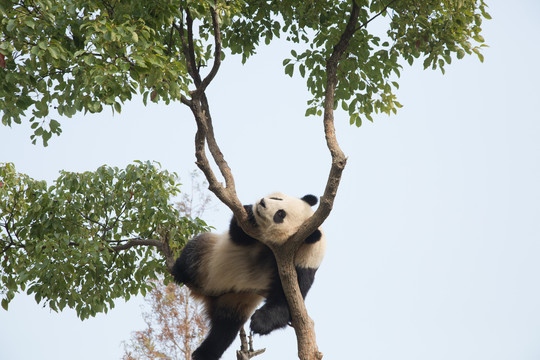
(433, 29)
(73, 55)
(91, 237)
(82, 55)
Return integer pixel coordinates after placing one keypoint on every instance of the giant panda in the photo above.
(232, 273)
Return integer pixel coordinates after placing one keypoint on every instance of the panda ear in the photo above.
(310, 199)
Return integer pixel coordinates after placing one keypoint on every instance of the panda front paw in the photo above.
(260, 323)
(267, 319)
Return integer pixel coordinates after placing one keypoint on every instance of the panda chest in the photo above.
(237, 268)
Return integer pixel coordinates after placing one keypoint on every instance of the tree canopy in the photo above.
(64, 57)
(89, 238)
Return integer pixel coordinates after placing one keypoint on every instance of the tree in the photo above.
(89, 238)
(102, 53)
(175, 325)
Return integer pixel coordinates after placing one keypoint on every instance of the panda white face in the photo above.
(279, 216)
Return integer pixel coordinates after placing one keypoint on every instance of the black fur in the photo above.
(186, 266)
(238, 236)
(314, 237)
(306, 277)
(224, 329)
(221, 335)
(311, 199)
(275, 314)
(279, 216)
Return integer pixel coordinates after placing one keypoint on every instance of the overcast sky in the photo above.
(434, 241)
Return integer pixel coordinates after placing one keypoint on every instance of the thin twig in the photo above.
(246, 351)
(137, 242)
(363, 25)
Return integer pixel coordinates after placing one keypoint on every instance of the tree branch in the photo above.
(246, 351)
(217, 51)
(201, 111)
(138, 242)
(191, 49)
(188, 48)
(162, 245)
(227, 194)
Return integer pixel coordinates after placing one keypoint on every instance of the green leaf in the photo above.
(5, 304)
(30, 22)
(289, 69)
(479, 38)
(54, 52)
(54, 125)
(302, 69)
(117, 107)
(480, 56)
(11, 25)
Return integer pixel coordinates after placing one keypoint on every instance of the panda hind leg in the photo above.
(227, 314)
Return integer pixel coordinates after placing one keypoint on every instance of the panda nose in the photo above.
(262, 203)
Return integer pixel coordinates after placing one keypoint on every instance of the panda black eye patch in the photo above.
(279, 216)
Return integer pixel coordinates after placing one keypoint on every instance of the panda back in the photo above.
(189, 268)
(239, 268)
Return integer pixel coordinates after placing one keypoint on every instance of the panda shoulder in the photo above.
(236, 234)
(239, 237)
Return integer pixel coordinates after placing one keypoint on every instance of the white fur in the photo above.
(311, 255)
(232, 268)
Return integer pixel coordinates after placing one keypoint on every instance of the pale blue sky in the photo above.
(434, 241)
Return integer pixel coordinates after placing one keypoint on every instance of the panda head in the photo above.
(279, 216)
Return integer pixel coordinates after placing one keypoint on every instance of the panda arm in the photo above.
(275, 314)
(305, 276)
(237, 234)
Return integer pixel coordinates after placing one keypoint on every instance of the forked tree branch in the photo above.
(307, 347)
(201, 111)
(162, 245)
(246, 351)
